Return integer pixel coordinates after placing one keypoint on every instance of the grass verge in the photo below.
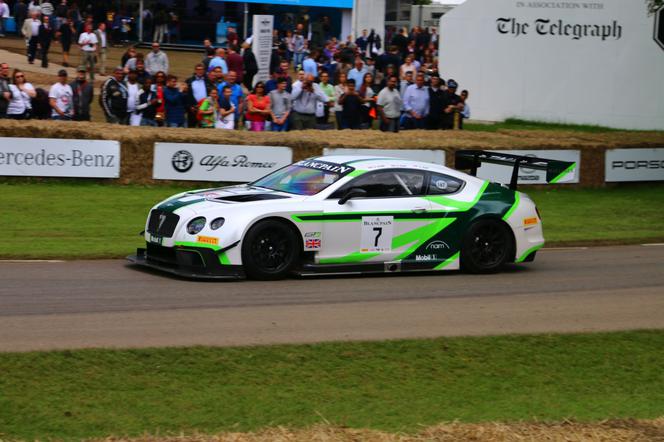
(74, 220)
(390, 386)
(519, 124)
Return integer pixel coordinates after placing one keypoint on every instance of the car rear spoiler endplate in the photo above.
(472, 159)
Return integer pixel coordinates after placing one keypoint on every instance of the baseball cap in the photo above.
(452, 84)
(62, 73)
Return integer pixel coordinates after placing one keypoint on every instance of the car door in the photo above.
(380, 226)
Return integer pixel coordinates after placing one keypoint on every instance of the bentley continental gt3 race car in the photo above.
(350, 214)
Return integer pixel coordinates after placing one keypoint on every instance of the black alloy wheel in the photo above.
(486, 247)
(270, 250)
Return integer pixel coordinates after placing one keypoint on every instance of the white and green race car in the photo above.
(350, 214)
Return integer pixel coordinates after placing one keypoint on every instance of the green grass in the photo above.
(74, 220)
(518, 124)
(393, 385)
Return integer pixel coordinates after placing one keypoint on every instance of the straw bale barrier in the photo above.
(137, 142)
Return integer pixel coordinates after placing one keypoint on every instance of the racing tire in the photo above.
(486, 247)
(270, 250)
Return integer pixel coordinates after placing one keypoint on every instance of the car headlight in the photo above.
(216, 223)
(195, 225)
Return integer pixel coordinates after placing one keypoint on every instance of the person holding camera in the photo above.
(88, 43)
(305, 96)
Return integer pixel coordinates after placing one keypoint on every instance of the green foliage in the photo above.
(654, 5)
(393, 385)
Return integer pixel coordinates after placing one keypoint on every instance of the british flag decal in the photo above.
(312, 244)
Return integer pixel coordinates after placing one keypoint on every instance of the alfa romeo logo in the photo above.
(182, 161)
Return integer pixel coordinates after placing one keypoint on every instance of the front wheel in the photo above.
(270, 250)
(486, 247)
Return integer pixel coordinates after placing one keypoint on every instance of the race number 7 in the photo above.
(380, 232)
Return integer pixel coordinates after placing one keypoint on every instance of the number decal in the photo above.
(380, 232)
(376, 234)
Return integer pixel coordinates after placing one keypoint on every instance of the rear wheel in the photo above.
(486, 247)
(270, 250)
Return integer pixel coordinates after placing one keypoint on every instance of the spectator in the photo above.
(227, 111)
(416, 104)
(5, 91)
(235, 62)
(208, 110)
(351, 115)
(309, 65)
(374, 44)
(289, 39)
(159, 87)
(114, 96)
(368, 96)
(237, 95)
(46, 35)
(20, 12)
(281, 104)
(147, 104)
(339, 90)
(4, 15)
(406, 83)
(219, 61)
(21, 94)
(66, 32)
(61, 14)
(198, 89)
(83, 94)
(209, 55)
(436, 104)
(133, 91)
(175, 101)
(102, 45)
(130, 65)
(88, 43)
(61, 98)
(128, 55)
(391, 58)
(465, 112)
(298, 49)
(250, 65)
(160, 24)
(328, 90)
(305, 96)
(258, 108)
(389, 106)
(141, 73)
(453, 106)
(156, 60)
(231, 36)
(47, 8)
(362, 42)
(357, 73)
(408, 66)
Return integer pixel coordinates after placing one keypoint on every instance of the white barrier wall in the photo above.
(591, 62)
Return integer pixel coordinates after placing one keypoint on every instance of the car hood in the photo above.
(226, 197)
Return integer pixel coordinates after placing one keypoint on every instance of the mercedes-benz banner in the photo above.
(217, 162)
(46, 157)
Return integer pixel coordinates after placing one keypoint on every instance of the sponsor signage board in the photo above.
(634, 165)
(217, 162)
(46, 157)
(503, 174)
(261, 45)
(427, 156)
(527, 54)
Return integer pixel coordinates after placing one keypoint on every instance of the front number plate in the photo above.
(156, 239)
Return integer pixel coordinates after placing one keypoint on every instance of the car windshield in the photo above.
(304, 178)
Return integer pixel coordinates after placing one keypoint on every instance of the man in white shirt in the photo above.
(60, 98)
(156, 60)
(133, 90)
(389, 106)
(100, 33)
(30, 31)
(88, 43)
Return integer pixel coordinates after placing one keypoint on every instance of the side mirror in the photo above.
(353, 192)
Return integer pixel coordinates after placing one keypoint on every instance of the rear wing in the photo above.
(472, 159)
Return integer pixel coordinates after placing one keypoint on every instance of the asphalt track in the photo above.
(80, 304)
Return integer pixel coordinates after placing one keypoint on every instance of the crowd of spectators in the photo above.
(350, 84)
